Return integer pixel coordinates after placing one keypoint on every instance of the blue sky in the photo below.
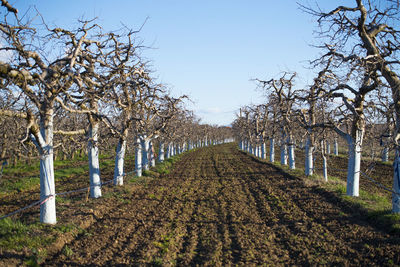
(208, 50)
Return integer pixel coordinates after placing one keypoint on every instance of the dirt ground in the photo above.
(221, 207)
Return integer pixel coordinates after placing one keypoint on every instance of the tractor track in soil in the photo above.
(219, 207)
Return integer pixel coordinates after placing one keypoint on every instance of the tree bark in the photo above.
(292, 156)
(354, 163)
(335, 147)
(119, 162)
(272, 149)
(283, 153)
(138, 158)
(161, 152)
(145, 142)
(94, 166)
(309, 149)
(46, 152)
(263, 150)
(396, 183)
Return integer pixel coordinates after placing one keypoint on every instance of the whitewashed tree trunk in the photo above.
(44, 144)
(151, 154)
(263, 151)
(172, 150)
(161, 152)
(138, 158)
(324, 161)
(396, 182)
(272, 149)
(328, 148)
(119, 162)
(47, 187)
(145, 152)
(354, 163)
(292, 158)
(283, 153)
(336, 147)
(168, 151)
(309, 149)
(385, 154)
(94, 166)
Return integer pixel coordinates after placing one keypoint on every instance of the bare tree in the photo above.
(284, 96)
(368, 30)
(39, 80)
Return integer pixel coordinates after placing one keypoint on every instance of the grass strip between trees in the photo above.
(23, 237)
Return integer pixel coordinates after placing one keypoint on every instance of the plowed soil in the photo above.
(222, 207)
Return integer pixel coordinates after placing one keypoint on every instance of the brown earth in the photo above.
(381, 172)
(220, 207)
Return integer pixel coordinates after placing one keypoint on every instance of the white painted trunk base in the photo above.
(119, 163)
(284, 154)
(47, 189)
(94, 166)
(145, 153)
(272, 150)
(385, 154)
(353, 168)
(292, 157)
(396, 183)
(138, 158)
(309, 168)
(161, 152)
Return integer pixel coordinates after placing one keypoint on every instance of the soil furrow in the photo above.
(220, 207)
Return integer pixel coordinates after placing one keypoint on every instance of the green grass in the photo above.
(16, 235)
(26, 177)
(67, 251)
(19, 185)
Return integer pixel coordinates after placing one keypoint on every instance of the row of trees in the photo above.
(355, 94)
(83, 89)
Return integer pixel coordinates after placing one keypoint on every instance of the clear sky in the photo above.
(210, 49)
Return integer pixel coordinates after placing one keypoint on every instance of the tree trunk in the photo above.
(396, 182)
(145, 152)
(292, 159)
(309, 149)
(272, 149)
(47, 188)
(161, 152)
(119, 162)
(354, 163)
(138, 158)
(263, 151)
(94, 166)
(47, 184)
(324, 161)
(152, 158)
(283, 154)
(385, 154)
(336, 147)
